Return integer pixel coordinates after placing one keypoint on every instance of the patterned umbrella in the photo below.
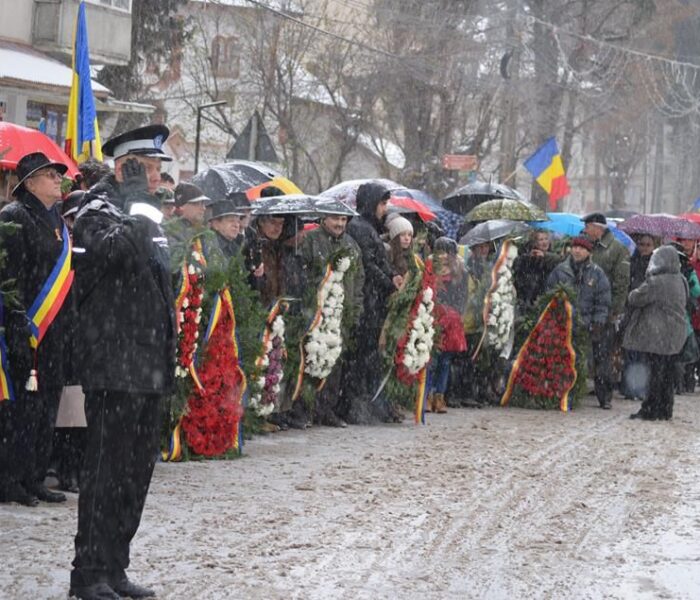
(661, 225)
(294, 204)
(512, 210)
(491, 230)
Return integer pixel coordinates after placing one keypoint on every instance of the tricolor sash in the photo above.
(48, 302)
(53, 293)
(6, 389)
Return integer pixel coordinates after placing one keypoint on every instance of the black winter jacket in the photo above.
(365, 230)
(32, 250)
(127, 330)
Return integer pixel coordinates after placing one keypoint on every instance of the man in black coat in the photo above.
(363, 370)
(33, 251)
(126, 358)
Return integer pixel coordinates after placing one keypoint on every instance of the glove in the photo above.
(134, 185)
(596, 330)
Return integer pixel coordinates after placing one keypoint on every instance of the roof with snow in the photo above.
(384, 149)
(23, 64)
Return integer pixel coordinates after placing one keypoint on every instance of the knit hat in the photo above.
(398, 225)
(584, 241)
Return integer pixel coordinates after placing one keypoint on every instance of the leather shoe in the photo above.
(97, 591)
(45, 494)
(129, 589)
(15, 492)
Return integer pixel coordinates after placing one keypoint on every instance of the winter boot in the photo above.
(439, 405)
(428, 405)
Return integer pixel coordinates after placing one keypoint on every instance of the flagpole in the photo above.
(507, 179)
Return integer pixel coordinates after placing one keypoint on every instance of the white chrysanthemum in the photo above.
(343, 264)
(278, 327)
(191, 270)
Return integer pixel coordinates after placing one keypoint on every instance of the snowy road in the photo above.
(492, 504)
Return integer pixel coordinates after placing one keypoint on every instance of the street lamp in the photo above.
(200, 108)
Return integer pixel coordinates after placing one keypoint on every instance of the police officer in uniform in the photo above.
(126, 357)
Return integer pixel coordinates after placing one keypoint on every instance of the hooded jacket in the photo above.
(365, 230)
(657, 322)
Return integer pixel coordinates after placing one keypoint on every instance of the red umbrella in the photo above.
(405, 204)
(17, 141)
(694, 217)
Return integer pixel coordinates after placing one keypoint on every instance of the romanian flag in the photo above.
(546, 167)
(82, 133)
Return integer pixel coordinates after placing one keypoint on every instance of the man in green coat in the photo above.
(319, 247)
(611, 256)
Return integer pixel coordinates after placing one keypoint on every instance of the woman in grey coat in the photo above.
(657, 329)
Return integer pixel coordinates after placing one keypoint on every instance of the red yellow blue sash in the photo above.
(53, 293)
(6, 389)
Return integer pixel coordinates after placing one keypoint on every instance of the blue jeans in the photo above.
(440, 372)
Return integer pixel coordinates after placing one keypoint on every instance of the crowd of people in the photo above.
(93, 288)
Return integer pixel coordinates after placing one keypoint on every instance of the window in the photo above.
(225, 57)
(124, 5)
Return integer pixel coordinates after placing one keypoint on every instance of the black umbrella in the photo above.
(220, 181)
(489, 231)
(292, 204)
(467, 197)
(331, 206)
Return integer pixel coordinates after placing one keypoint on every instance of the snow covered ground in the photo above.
(493, 504)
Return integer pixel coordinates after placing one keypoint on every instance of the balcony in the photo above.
(108, 23)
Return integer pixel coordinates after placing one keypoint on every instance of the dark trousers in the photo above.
(602, 346)
(26, 436)
(121, 452)
(328, 399)
(659, 401)
(440, 372)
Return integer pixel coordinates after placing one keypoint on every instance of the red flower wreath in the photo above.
(213, 414)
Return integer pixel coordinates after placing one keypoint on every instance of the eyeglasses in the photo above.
(51, 174)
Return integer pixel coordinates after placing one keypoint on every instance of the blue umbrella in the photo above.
(622, 237)
(562, 223)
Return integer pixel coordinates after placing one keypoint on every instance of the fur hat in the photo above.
(398, 225)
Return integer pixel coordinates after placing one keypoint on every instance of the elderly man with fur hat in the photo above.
(126, 362)
(593, 302)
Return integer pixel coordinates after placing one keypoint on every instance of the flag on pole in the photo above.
(546, 167)
(82, 133)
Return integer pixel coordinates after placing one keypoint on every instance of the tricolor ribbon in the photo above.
(227, 302)
(315, 322)
(53, 293)
(174, 451)
(421, 392)
(6, 388)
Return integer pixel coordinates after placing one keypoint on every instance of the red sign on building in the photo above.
(459, 162)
